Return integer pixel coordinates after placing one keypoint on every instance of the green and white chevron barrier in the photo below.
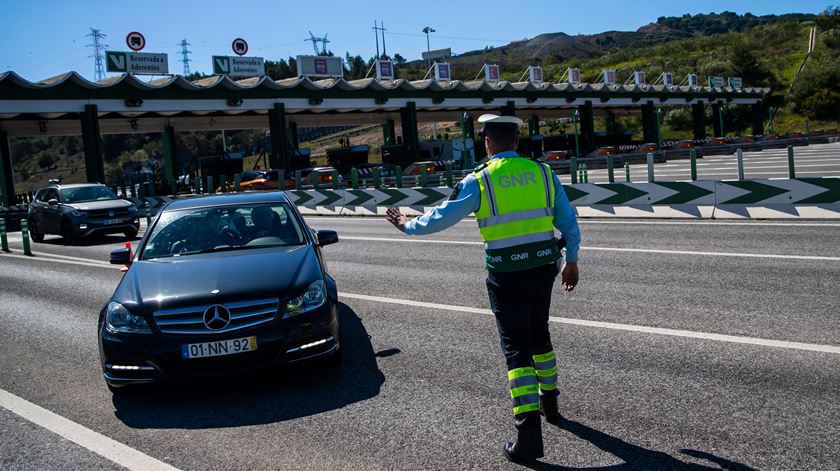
(788, 198)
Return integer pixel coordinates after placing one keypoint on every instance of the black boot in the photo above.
(529, 443)
(549, 409)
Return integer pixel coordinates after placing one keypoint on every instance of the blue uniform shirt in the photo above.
(468, 199)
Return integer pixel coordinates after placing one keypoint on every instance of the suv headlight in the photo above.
(79, 214)
(132, 209)
(314, 297)
(119, 319)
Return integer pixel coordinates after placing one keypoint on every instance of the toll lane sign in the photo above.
(137, 63)
(239, 66)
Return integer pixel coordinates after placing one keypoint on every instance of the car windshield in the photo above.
(237, 227)
(87, 193)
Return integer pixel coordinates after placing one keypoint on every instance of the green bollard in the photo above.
(237, 179)
(281, 180)
(791, 167)
(424, 177)
(298, 178)
(4, 241)
(441, 181)
(148, 215)
(335, 179)
(151, 187)
(610, 171)
(573, 169)
(197, 184)
(398, 176)
(585, 173)
(223, 182)
(316, 181)
(354, 177)
(377, 178)
(693, 156)
(417, 181)
(24, 232)
(627, 170)
(450, 181)
(210, 188)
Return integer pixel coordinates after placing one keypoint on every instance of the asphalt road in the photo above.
(423, 387)
(817, 160)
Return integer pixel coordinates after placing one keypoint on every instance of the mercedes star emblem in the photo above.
(216, 317)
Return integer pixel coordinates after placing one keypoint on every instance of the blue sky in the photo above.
(43, 38)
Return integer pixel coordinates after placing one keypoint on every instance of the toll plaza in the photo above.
(71, 105)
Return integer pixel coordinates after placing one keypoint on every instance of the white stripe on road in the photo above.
(381, 220)
(42, 258)
(610, 249)
(613, 326)
(103, 446)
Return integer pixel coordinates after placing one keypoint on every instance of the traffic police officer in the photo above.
(517, 203)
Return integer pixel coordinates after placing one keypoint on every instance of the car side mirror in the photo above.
(327, 237)
(121, 256)
(52, 202)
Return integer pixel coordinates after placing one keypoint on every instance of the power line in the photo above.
(315, 40)
(376, 30)
(98, 47)
(185, 56)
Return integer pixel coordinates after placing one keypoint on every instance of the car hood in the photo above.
(96, 205)
(173, 282)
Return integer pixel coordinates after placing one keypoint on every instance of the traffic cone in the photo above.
(125, 268)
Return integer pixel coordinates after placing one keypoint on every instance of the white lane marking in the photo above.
(611, 249)
(613, 326)
(80, 262)
(103, 446)
(380, 220)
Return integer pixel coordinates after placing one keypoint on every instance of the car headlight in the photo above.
(314, 297)
(79, 214)
(119, 319)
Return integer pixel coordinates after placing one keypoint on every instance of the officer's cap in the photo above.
(496, 119)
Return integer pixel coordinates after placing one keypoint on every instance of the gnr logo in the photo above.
(523, 179)
(519, 256)
(544, 253)
(496, 259)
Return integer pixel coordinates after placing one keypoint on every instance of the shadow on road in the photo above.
(634, 456)
(92, 241)
(267, 396)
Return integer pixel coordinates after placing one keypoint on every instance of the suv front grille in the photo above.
(103, 213)
(190, 320)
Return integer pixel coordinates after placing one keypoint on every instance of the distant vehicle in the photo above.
(745, 139)
(81, 210)
(684, 145)
(555, 156)
(220, 284)
(324, 175)
(604, 152)
(417, 168)
(263, 180)
(649, 147)
(794, 135)
(772, 137)
(717, 141)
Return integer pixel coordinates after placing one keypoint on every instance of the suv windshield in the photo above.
(84, 194)
(237, 227)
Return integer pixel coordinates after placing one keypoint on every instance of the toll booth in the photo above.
(345, 158)
(394, 155)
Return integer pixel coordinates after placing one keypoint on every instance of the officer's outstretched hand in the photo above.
(396, 218)
(569, 275)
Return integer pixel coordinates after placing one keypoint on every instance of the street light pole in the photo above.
(577, 142)
(659, 129)
(427, 30)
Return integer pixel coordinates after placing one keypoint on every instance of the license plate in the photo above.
(108, 222)
(219, 348)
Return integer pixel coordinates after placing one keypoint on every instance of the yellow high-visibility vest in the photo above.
(516, 214)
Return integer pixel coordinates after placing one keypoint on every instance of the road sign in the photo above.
(535, 74)
(667, 79)
(692, 80)
(491, 72)
(135, 41)
(735, 82)
(574, 75)
(442, 71)
(639, 77)
(137, 63)
(319, 66)
(609, 77)
(236, 66)
(716, 81)
(384, 70)
(240, 47)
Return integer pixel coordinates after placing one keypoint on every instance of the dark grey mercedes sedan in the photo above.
(220, 284)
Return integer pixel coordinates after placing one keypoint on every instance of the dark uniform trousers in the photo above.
(520, 301)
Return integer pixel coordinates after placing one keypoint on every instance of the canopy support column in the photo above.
(698, 113)
(534, 125)
(94, 167)
(389, 132)
(716, 114)
(587, 128)
(758, 119)
(509, 109)
(279, 158)
(411, 139)
(7, 181)
(169, 153)
(649, 123)
(294, 139)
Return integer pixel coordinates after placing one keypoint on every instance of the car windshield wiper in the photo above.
(223, 248)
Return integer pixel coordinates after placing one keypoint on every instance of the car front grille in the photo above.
(104, 213)
(190, 320)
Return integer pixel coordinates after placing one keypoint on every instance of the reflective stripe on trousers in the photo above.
(524, 390)
(545, 367)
